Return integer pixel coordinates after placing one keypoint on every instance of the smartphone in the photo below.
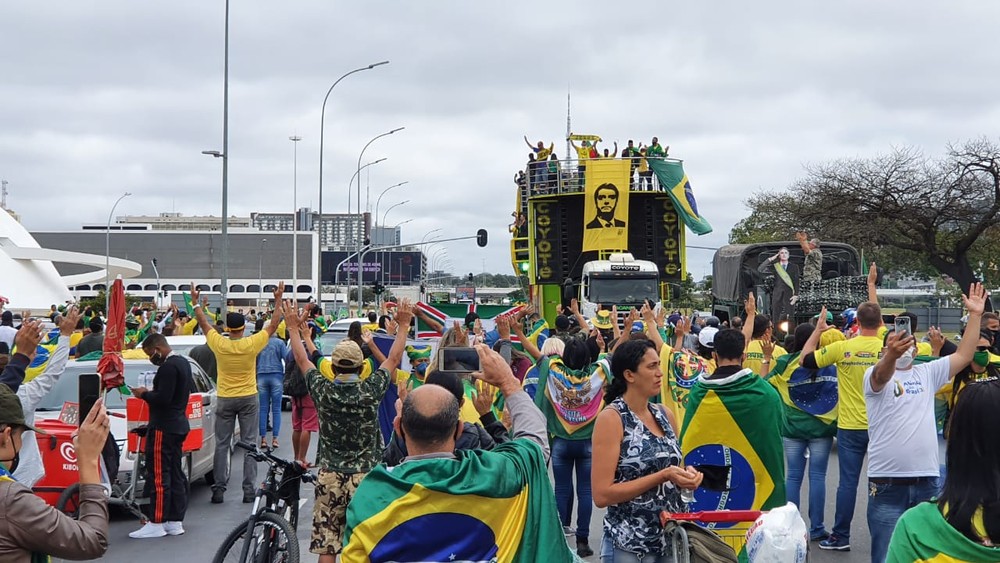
(90, 391)
(902, 324)
(458, 360)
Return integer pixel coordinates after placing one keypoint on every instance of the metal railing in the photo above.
(553, 177)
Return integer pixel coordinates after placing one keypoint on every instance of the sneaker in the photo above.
(150, 530)
(248, 498)
(819, 536)
(217, 496)
(583, 548)
(568, 531)
(173, 528)
(835, 543)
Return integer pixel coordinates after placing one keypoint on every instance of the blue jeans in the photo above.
(567, 454)
(887, 502)
(819, 457)
(610, 554)
(852, 445)
(269, 387)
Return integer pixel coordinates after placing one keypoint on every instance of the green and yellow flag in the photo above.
(809, 396)
(732, 434)
(605, 210)
(675, 182)
(922, 534)
(485, 506)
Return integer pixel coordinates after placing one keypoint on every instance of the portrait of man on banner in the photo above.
(606, 205)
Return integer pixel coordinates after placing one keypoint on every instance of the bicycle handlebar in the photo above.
(266, 456)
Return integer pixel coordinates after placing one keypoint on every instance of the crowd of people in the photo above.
(544, 173)
(623, 408)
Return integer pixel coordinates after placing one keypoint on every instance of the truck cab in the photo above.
(620, 280)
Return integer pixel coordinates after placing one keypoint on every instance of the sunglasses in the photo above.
(982, 348)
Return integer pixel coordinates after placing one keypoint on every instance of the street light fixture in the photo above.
(360, 156)
(355, 175)
(107, 251)
(322, 123)
(295, 217)
(386, 214)
(260, 272)
(379, 200)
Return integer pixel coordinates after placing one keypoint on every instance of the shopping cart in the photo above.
(733, 536)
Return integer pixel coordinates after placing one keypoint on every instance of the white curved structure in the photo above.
(29, 279)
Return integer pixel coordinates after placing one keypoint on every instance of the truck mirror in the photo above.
(481, 237)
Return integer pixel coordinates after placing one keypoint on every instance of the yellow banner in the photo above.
(591, 138)
(605, 215)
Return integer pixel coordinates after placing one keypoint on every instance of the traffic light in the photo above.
(471, 277)
(379, 288)
(481, 237)
(524, 267)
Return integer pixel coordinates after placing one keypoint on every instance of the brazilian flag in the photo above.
(809, 395)
(493, 505)
(732, 434)
(675, 182)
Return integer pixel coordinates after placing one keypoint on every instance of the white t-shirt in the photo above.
(902, 433)
(7, 334)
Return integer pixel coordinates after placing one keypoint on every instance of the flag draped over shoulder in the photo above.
(675, 182)
(732, 433)
(922, 534)
(680, 371)
(570, 399)
(485, 506)
(809, 396)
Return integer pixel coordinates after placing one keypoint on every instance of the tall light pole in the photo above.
(295, 220)
(260, 272)
(362, 235)
(322, 123)
(107, 250)
(394, 241)
(384, 215)
(355, 175)
(379, 200)
(157, 272)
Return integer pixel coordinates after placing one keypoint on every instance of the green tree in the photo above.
(909, 212)
(98, 302)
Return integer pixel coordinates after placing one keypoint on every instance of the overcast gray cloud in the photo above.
(103, 97)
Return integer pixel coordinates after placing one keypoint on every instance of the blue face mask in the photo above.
(420, 369)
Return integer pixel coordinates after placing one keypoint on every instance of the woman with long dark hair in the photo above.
(638, 470)
(964, 523)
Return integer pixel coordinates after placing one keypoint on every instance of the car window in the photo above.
(202, 384)
(66, 390)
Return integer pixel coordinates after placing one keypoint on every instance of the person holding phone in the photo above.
(30, 529)
(166, 484)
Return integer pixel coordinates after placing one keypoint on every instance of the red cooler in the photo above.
(59, 458)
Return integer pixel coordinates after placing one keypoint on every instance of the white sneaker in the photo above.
(173, 528)
(150, 530)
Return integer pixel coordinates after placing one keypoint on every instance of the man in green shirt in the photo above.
(350, 442)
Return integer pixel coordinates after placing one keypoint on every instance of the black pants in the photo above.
(166, 484)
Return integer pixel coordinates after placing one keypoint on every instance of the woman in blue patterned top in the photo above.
(637, 468)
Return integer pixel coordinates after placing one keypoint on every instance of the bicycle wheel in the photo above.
(69, 501)
(272, 541)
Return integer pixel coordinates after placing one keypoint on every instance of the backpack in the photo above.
(295, 382)
(704, 546)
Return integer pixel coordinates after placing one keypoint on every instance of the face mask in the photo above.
(420, 369)
(156, 359)
(906, 360)
(15, 461)
(981, 358)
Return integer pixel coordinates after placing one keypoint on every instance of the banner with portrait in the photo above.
(605, 215)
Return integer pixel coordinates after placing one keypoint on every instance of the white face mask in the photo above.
(906, 360)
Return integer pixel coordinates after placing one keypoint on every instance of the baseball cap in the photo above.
(562, 322)
(638, 326)
(235, 321)
(712, 321)
(347, 355)
(602, 321)
(470, 320)
(707, 336)
(11, 411)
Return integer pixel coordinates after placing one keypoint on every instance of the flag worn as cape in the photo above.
(680, 370)
(675, 182)
(809, 397)
(493, 505)
(732, 434)
(570, 399)
(922, 534)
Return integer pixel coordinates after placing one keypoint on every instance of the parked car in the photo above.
(183, 344)
(198, 464)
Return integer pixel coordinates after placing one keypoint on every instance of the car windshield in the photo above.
(66, 390)
(328, 341)
(622, 291)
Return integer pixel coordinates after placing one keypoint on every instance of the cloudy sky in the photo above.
(99, 98)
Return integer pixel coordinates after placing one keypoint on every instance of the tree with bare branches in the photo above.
(902, 208)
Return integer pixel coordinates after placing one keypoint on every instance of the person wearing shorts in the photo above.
(304, 423)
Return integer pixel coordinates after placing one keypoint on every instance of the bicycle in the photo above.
(268, 535)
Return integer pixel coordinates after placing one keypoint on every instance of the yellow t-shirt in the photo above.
(582, 153)
(852, 357)
(755, 355)
(189, 327)
(924, 349)
(75, 339)
(236, 361)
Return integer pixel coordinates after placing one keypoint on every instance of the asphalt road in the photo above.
(207, 524)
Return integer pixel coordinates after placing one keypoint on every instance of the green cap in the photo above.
(11, 411)
(829, 317)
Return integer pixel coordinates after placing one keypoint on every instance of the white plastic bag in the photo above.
(779, 536)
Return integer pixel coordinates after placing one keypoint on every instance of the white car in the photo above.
(183, 344)
(197, 464)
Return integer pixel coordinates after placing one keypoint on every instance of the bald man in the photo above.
(437, 476)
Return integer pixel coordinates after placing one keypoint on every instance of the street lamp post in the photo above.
(355, 175)
(394, 241)
(295, 220)
(157, 272)
(260, 272)
(322, 124)
(361, 236)
(379, 199)
(107, 250)
(384, 215)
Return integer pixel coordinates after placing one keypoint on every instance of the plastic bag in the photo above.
(779, 536)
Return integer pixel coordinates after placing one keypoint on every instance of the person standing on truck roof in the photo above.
(812, 271)
(541, 155)
(632, 153)
(786, 280)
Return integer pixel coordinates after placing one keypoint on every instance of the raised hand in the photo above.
(751, 304)
(872, 274)
(279, 291)
(975, 301)
(767, 348)
(648, 315)
(936, 339)
(503, 326)
(27, 338)
(601, 345)
(195, 294)
(366, 336)
(404, 314)
(495, 370)
(484, 397)
(895, 346)
(683, 326)
(821, 321)
(574, 306)
(68, 323)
